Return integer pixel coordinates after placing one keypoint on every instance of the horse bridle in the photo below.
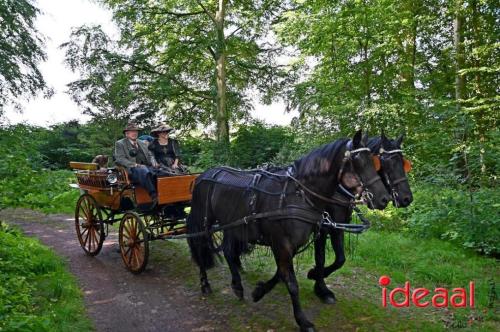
(392, 184)
(349, 154)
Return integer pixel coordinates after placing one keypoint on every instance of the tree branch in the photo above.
(212, 17)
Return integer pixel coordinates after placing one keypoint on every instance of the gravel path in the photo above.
(117, 300)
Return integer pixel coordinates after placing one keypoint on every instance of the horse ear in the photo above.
(356, 140)
(382, 135)
(364, 139)
(399, 140)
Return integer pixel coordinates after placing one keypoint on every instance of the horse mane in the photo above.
(375, 143)
(320, 161)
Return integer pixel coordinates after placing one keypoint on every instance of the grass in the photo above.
(37, 293)
(424, 262)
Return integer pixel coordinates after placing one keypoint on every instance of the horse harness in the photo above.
(309, 214)
(391, 184)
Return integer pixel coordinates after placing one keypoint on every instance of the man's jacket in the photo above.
(126, 154)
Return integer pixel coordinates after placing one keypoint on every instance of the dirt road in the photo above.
(115, 299)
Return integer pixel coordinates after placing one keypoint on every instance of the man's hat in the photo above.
(161, 128)
(130, 127)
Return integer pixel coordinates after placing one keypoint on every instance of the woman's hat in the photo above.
(160, 129)
(131, 127)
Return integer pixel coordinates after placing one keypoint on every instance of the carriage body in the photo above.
(108, 196)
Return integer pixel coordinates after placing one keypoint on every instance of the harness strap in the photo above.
(290, 212)
(373, 180)
(331, 200)
(402, 179)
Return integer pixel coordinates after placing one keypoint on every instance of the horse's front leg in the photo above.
(316, 273)
(287, 275)
(337, 240)
(263, 288)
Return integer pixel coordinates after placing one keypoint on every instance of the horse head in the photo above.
(393, 168)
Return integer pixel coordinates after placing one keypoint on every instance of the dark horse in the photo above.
(279, 209)
(393, 168)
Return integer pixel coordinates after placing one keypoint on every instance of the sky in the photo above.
(56, 22)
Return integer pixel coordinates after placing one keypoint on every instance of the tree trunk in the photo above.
(222, 113)
(459, 55)
(477, 88)
(458, 37)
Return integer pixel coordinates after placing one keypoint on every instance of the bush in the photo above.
(36, 291)
(471, 220)
(258, 144)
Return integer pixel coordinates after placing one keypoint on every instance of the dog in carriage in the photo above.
(102, 161)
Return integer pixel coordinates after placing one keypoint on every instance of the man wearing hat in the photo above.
(133, 154)
(164, 148)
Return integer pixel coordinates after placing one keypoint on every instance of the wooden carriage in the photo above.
(108, 196)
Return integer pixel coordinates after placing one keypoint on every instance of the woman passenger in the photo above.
(165, 150)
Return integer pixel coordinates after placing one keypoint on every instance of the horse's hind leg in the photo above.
(287, 275)
(263, 288)
(233, 260)
(316, 273)
(204, 284)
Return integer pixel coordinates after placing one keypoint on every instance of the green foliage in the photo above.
(36, 291)
(21, 50)
(61, 144)
(258, 144)
(23, 179)
(469, 219)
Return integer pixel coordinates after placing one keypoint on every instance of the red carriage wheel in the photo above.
(89, 225)
(134, 242)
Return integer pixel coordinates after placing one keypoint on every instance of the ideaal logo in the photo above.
(420, 297)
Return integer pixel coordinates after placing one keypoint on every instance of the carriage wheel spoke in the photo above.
(90, 235)
(86, 239)
(85, 209)
(85, 230)
(127, 251)
(96, 238)
(136, 228)
(130, 257)
(136, 257)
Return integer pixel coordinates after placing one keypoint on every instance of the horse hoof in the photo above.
(312, 274)
(308, 329)
(258, 293)
(328, 299)
(239, 293)
(206, 289)
(324, 294)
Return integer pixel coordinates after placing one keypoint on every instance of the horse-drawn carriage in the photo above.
(109, 196)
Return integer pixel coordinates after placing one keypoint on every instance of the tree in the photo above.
(199, 59)
(107, 89)
(428, 68)
(20, 52)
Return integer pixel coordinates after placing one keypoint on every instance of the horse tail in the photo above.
(201, 246)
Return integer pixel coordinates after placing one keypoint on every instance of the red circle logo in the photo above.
(384, 281)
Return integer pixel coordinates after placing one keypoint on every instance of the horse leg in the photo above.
(316, 273)
(319, 256)
(337, 240)
(233, 260)
(263, 288)
(204, 284)
(287, 275)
